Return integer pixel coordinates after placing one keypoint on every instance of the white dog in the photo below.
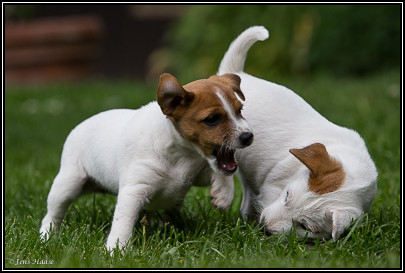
(151, 157)
(302, 171)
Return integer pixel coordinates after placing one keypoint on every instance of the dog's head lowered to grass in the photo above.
(319, 202)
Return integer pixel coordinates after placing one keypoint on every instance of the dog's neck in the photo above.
(171, 128)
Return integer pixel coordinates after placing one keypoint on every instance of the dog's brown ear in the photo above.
(171, 94)
(327, 174)
(234, 80)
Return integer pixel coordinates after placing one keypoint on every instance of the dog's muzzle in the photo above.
(225, 155)
(246, 138)
(226, 159)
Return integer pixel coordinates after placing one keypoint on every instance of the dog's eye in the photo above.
(239, 112)
(303, 226)
(286, 197)
(212, 120)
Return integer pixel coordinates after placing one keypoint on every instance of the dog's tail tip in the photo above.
(261, 32)
(234, 59)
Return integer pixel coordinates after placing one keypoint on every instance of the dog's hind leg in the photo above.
(250, 208)
(67, 187)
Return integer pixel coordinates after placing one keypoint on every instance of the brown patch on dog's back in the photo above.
(327, 174)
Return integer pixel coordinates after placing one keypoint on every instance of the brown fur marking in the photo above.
(327, 174)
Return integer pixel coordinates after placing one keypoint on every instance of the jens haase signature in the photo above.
(32, 262)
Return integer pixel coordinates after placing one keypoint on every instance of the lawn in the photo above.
(38, 119)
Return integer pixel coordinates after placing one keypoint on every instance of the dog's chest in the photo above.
(175, 180)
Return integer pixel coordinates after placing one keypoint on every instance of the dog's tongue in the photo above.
(226, 160)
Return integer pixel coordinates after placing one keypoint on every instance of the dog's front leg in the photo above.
(130, 202)
(222, 189)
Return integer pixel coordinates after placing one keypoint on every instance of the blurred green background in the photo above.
(344, 39)
(143, 41)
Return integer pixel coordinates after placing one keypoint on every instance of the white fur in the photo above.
(282, 120)
(240, 124)
(236, 54)
(138, 155)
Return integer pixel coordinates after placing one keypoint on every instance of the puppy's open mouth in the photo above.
(226, 159)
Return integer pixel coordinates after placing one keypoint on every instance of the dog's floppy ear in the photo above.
(235, 82)
(171, 94)
(341, 219)
(327, 174)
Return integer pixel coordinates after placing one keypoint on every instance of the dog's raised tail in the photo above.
(234, 59)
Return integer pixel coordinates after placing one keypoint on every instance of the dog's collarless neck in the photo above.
(178, 138)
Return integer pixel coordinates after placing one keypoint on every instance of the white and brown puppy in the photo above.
(150, 157)
(302, 171)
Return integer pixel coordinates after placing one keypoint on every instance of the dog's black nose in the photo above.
(246, 138)
(267, 231)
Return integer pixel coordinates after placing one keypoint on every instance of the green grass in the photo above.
(38, 119)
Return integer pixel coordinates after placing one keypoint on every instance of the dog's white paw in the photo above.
(115, 248)
(48, 226)
(44, 235)
(222, 193)
(221, 202)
